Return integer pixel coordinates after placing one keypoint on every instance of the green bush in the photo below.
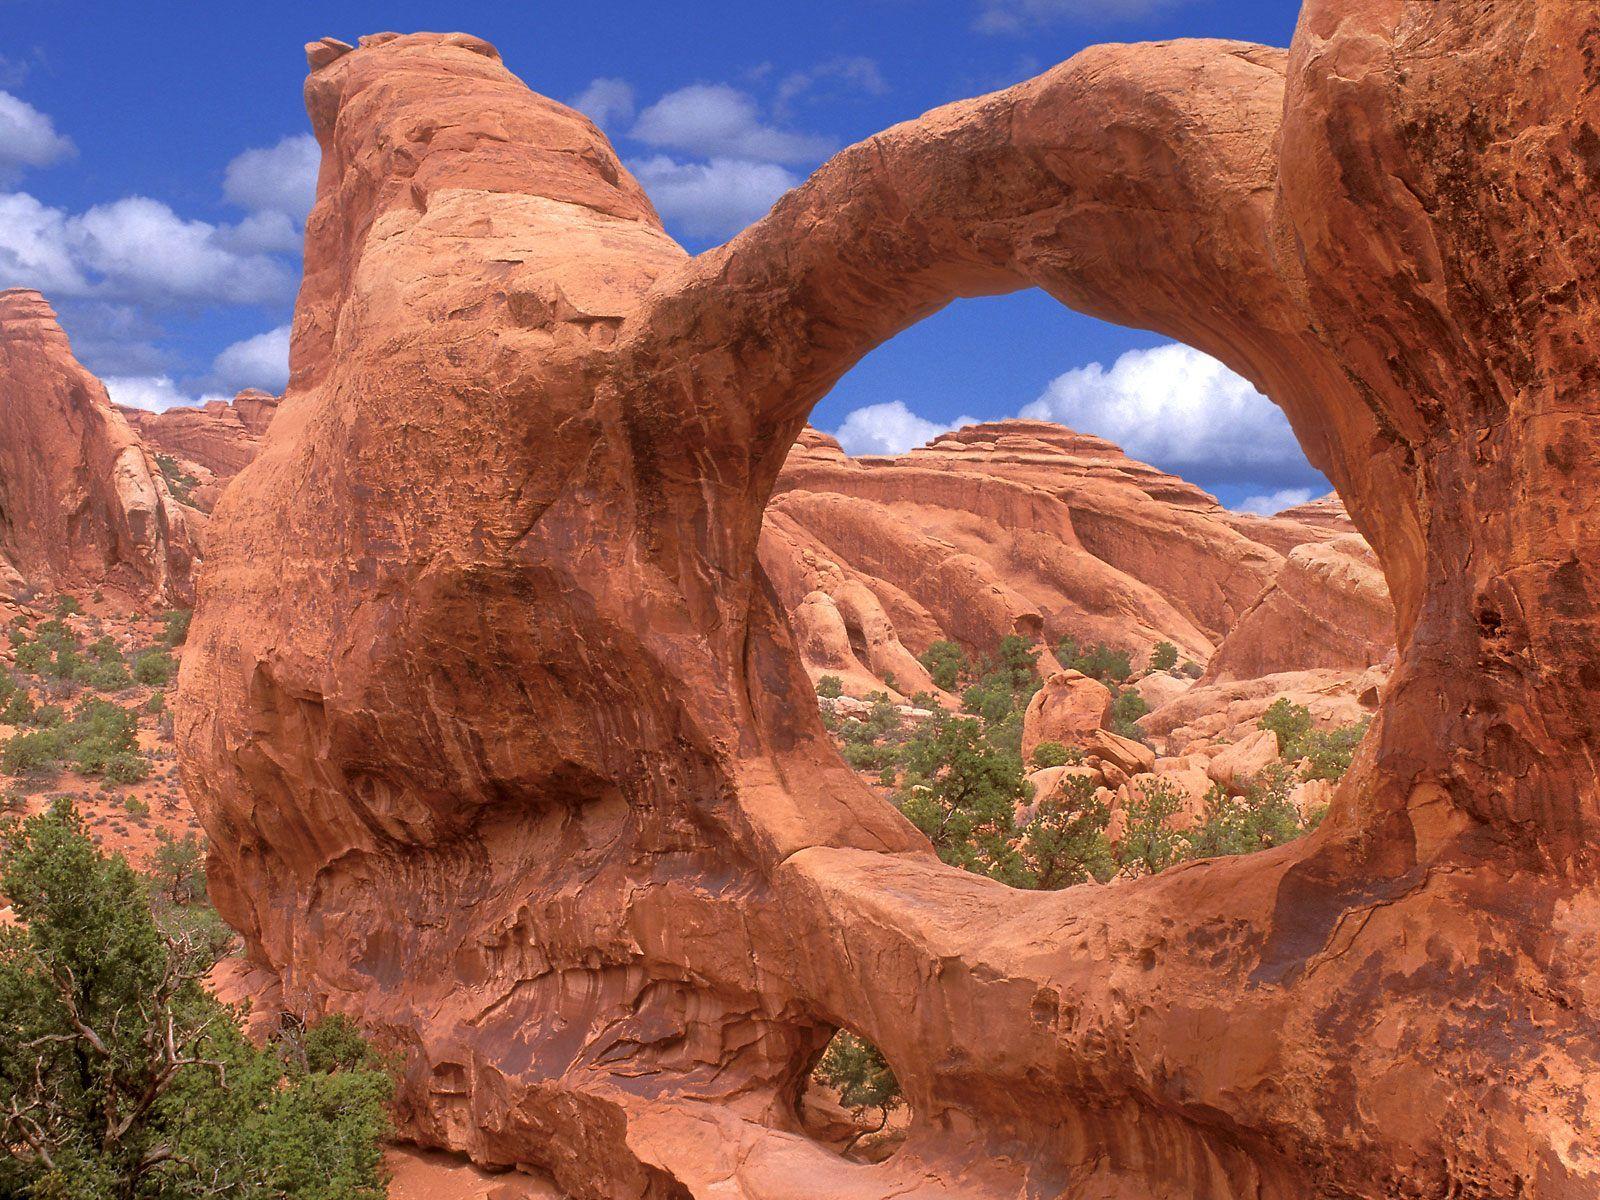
(1164, 657)
(945, 663)
(1065, 841)
(31, 753)
(1326, 753)
(1291, 722)
(18, 710)
(1149, 845)
(177, 626)
(154, 667)
(68, 606)
(863, 1078)
(179, 867)
(136, 1082)
(1098, 661)
(1261, 818)
(830, 686)
(1127, 706)
(1054, 754)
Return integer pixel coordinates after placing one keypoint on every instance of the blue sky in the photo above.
(155, 167)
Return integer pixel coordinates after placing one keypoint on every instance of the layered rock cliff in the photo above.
(1025, 527)
(504, 747)
(82, 503)
(221, 435)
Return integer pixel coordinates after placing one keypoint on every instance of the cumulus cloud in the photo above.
(261, 361)
(135, 249)
(153, 392)
(1274, 502)
(713, 199)
(1019, 16)
(606, 102)
(890, 428)
(281, 178)
(718, 121)
(1183, 411)
(28, 138)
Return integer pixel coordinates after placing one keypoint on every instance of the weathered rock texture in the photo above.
(1022, 527)
(504, 747)
(1328, 608)
(82, 504)
(220, 436)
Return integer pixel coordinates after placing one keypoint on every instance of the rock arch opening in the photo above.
(573, 595)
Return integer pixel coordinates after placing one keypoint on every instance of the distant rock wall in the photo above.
(82, 503)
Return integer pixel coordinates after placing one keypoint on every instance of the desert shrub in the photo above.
(1127, 707)
(127, 767)
(137, 808)
(130, 1080)
(1261, 818)
(863, 1078)
(176, 623)
(18, 710)
(962, 792)
(154, 667)
(1055, 754)
(1164, 657)
(156, 705)
(1098, 661)
(830, 686)
(1291, 722)
(179, 482)
(1328, 752)
(67, 606)
(178, 868)
(1149, 845)
(1065, 841)
(1191, 670)
(945, 662)
(31, 753)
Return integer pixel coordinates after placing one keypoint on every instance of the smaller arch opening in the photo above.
(851, 1101)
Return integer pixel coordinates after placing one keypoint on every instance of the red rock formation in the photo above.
(220, 436)
(502, 741)
(1328, 608)
(1067, 709)
(82, 504)
(1025, 527)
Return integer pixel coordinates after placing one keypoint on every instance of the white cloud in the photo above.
(606, 102)
(1274, 502)
(261, 361)
(1183, 411)
(35, 250)
(134, 249)
(153, 392)
(28, 138)
(718, 121)
(890, 428)
(715, 199)
(1018, 16)
(280, 178)
(827, 80)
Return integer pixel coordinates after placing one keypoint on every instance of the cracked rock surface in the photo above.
(502, 742)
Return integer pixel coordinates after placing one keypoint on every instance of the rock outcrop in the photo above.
(82, 504)
(210, 443)
(221, 435)
(504, 747)
(1024, 527)
(1327, 609)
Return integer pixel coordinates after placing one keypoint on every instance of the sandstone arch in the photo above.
(502, 745)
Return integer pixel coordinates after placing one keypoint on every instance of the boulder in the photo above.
(1067, 709)
(1237, 765)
